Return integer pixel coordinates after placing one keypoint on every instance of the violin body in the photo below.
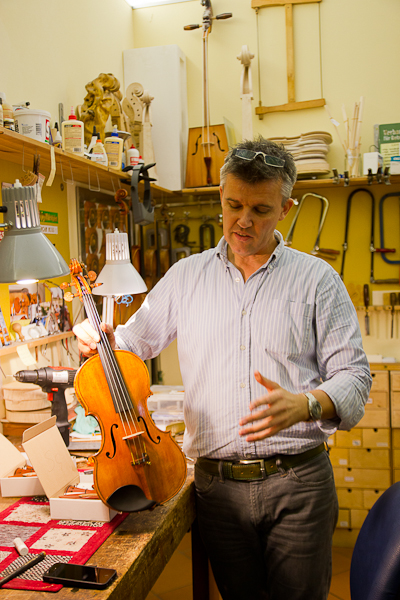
(131, 472)
(205, 158)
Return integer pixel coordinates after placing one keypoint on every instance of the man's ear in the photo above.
(285, 208)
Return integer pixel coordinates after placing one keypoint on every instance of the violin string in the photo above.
(121, 396)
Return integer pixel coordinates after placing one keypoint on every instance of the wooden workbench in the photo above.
(138, 549)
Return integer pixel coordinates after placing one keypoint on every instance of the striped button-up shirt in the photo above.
(292, 320)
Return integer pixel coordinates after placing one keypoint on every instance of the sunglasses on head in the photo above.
(272, 161)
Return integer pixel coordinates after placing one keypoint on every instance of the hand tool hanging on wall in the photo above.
(392, 309)
(317, 251)
(366, 304)
(381, 227)
(372, 239)
(207, 145)
(143, 212)
(206, 227)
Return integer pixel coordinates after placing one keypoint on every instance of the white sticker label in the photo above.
(356, 442)
(349, 478)
(342, 461)
(60, 376)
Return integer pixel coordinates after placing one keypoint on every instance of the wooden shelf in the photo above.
(20, 149)
(49, 339)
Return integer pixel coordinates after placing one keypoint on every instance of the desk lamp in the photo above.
(26, 254)
(118, 276)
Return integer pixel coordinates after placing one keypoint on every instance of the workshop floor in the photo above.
(175, 582)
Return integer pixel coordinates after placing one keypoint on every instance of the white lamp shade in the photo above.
(118, 279)
(118, 276)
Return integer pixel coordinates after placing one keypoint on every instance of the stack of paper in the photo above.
(309, 151)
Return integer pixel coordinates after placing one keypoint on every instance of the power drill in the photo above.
(54, 381)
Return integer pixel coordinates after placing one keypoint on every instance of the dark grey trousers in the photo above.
(270, 539)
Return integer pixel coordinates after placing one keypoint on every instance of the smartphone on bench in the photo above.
(80, 576)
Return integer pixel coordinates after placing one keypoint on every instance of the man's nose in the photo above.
(245, 219)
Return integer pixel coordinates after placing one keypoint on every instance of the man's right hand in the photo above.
(88, 337)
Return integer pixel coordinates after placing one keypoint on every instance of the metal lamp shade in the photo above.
(25, 252)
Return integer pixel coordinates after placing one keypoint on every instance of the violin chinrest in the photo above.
(130, 498)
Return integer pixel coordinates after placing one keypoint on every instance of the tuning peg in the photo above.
(190, 27)
(93, 285)
(69, 296)
(92, 276)
(64, 285)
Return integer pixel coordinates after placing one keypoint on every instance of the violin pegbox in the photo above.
(80, 279)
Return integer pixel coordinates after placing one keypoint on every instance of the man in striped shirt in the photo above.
(272, 364)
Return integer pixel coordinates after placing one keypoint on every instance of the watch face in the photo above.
(314, 407)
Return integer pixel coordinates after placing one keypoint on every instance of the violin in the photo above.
(138, 466)
(207, 145)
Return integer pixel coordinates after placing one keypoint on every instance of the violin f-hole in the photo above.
(113, 440)
(196, 146)
(140, 418)
(218, 142)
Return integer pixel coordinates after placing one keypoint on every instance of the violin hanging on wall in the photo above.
(207, 145)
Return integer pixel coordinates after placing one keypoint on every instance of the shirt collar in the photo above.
(222, 250)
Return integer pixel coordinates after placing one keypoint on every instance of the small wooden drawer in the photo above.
(396, 438)
(376, 438)
(343, 518)
(362, 478)
(374, 418)
(395, 380)
(349, 439)
(370, 497)
(357, 517)
(380, 381)
(339, 457)
(366, 458)
(348, 498)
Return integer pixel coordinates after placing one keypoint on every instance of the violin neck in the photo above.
(114, 378)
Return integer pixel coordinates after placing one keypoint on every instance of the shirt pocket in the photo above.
(286, 328)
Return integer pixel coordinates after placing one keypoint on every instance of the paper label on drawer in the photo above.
(349, 478)
(382, 444)
(344, 523)
(356, 442)
(370, 401)
(342, 461)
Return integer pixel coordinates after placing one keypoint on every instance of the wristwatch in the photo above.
(314, 407)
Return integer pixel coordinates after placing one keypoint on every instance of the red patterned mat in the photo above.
(63, 541)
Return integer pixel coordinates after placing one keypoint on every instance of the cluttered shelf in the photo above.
(49, 339)
(21, 150)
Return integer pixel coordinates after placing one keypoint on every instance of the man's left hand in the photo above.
(278, 410)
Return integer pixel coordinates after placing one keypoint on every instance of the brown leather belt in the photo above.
(253, 470)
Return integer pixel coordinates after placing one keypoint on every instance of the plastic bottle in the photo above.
(57, 141)
(132, 156)
(72, 133)
(1, 113)
(95, 137)
(140, 161)
(99, 154)
(114, 146)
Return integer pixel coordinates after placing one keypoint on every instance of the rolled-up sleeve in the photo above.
(342, 362)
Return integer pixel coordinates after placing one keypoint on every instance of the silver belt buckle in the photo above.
(261, 462)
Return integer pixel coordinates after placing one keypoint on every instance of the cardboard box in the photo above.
(10, 459)
(56, 471)
(373, 161)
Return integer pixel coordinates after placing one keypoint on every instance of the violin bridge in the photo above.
(132, 435)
